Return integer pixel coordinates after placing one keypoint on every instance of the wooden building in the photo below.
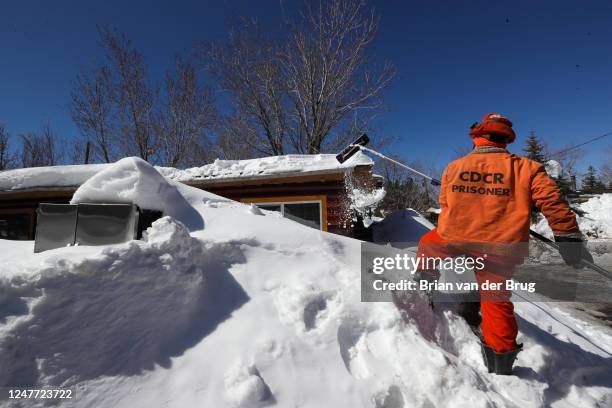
(311, 189)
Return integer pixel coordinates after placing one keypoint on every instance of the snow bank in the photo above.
(245, 387)
(595, 224)
(256, 310)
(402, 226)
(133, 180)
(97, 311)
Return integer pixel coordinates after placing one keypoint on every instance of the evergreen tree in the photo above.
(601, 187)
(534, 149)
(590, 182)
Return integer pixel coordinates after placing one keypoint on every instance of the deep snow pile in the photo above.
(86, 312)
(401, 226)
(255, 310)
(132, 180)
(596, 223)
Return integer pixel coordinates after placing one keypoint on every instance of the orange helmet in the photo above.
(494, 124)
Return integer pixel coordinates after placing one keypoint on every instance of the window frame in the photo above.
(313, 199)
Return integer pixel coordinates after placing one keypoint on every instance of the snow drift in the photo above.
(402, 226)
(596, 223)
(249, 310)
(134, 181)
(104, 311)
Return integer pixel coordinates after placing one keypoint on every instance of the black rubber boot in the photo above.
(499, 363)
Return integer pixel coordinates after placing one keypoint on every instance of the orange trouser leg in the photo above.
(431, 237)
(433, 245)
(499, 328)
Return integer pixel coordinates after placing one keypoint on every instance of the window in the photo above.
(307, 210)
(304, 213)
(15, 226)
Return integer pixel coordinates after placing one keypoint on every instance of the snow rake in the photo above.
(360, 144)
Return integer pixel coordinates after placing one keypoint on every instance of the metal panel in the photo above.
(55, 226)
(103, 224)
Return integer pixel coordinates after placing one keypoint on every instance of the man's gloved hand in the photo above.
(573, 250)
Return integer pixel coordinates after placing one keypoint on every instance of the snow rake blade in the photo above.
(350, 150)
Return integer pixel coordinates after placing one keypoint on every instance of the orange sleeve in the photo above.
(548, 198)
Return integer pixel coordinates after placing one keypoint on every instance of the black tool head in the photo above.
(350, 150)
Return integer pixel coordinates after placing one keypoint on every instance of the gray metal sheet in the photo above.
(55, 226)
(103, 224)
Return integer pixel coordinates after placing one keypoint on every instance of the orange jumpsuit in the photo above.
(486, 198)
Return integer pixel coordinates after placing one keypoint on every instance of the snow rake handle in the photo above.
(583, 262)
(434, 181)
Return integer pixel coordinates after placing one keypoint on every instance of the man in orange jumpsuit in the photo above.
(486, 198)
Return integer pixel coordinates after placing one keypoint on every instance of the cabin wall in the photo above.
(338, 215)
(337, 208)
(18, 214)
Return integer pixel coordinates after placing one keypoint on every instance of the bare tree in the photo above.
(188, 112)
(40, 148)
(7, 159)
(404, 190)
(248, 69)
(92, 112)
(328, 73)
(132, 95)
(231, 144)
(568, 158)
(80, 152)
(313, 91)
(121, 113)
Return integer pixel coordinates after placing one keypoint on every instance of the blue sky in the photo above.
(547, 65)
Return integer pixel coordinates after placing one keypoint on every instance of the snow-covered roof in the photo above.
(266, 167)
